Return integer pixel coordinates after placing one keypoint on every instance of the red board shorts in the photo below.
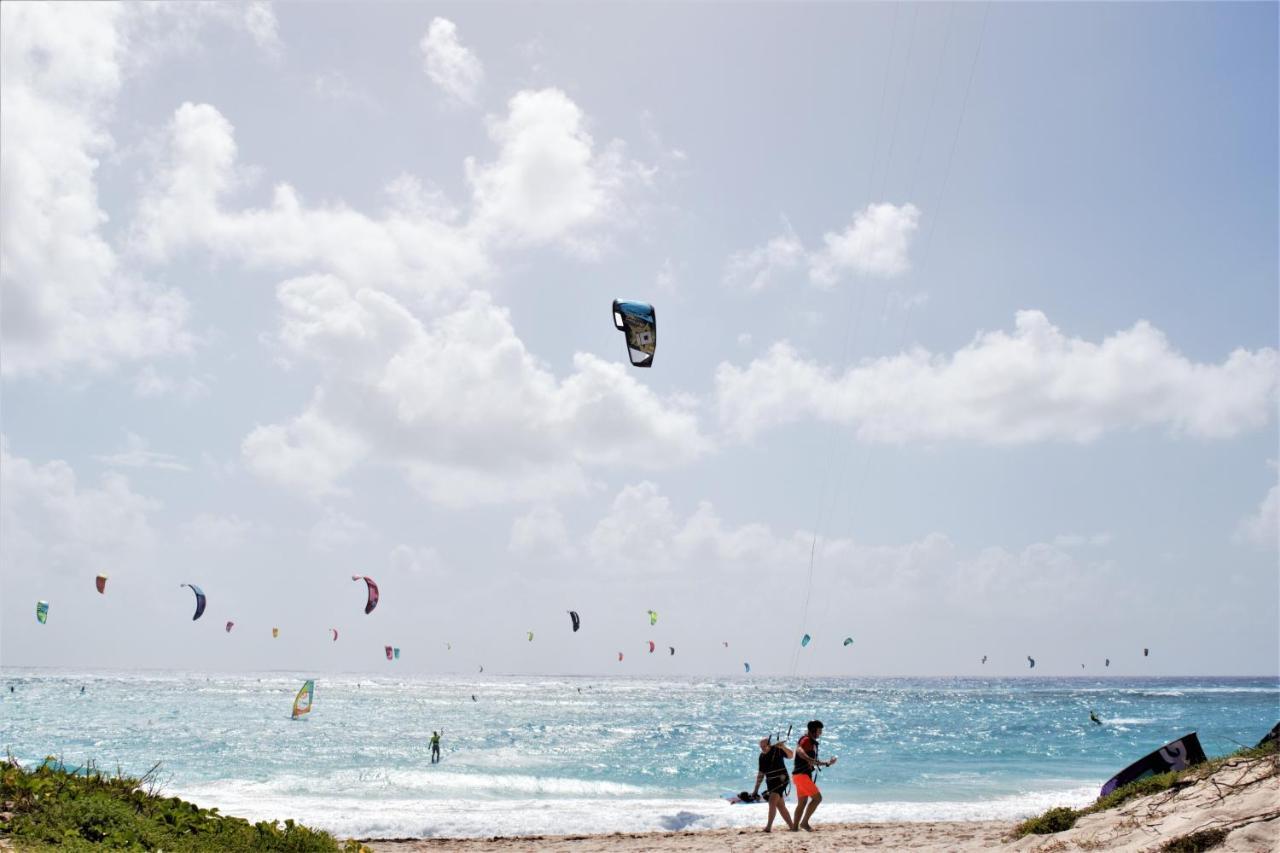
(804, 785)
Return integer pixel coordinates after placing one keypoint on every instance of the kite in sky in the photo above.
(640, 324)
(372, 601)
(200, 599)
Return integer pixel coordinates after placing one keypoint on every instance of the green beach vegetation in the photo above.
(1063, 818)
(83, 808)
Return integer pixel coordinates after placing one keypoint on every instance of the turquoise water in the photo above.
(556, 754)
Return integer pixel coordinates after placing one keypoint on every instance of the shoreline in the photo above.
(1238, 804)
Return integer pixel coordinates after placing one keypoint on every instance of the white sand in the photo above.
(1242, 797)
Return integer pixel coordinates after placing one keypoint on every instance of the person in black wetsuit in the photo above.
(773, 772)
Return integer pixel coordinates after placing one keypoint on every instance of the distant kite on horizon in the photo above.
(653, 617)
(334, 631)
(1031, 661)
(577, 623)
(230, 625)
(42, 612)
(984, 658)
(101, 583)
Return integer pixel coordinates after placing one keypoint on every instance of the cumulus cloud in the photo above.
(1262, 529)
(337, 530)
(410, 247)
(875, 243)
(457, 404)
(448, 63)
(136, 454)
(548, 183)
(417, 560)
(68, 301)
(209, 531)
(541, 532)
(49, 519)
(757, 268)
(1033, 384)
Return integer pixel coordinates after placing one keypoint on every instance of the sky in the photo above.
(967, 337)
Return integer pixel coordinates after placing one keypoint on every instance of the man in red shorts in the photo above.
(807, 794)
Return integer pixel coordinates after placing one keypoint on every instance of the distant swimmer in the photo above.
(81, 689)
(435, 746)
(1093, 715)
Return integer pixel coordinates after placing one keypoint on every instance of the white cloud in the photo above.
(459, 405)
(548, 183)
(149, 382)
(209, 531)
(541, 532)
(337, 530)
(136, 455)
(412, 246)
(48, 519)
(68, 302)
(1078, 540)
(417, 561)
(449, 64)
(875, 243)
(1034, 384)
(1262, 529)
(758, 268)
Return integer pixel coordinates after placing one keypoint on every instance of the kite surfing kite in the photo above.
(726, 643)
(573, 616)
(448, 647)
(804, 641)
(1031, 661)
(200, 599)
(848, 641)
(397, 652)
(746, 666)
(42, 612)
(530, 633)
(1146, 652)
(653, 617)
(302, 702)
(230, 625)
(672, 648)
(334, 631)
(388, 648)
(101, 583)
(373, 593)
(1177, 755)
(275, 632)
(1108, 662)
(619, 657)
(984, 658)
(640, 324)
(651, 647)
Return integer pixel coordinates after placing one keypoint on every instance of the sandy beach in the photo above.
(1242, 798)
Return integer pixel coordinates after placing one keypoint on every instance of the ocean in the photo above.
(532, 755)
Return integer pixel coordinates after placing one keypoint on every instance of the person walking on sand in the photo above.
(773, 772)
(435, 747)
(808, 797)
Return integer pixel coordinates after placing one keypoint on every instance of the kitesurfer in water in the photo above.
(808, 797)
(435, 747)
(773, 772)
(1093, 715)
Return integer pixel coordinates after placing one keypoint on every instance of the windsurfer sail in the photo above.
(302, 702)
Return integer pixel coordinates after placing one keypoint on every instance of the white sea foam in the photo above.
(390, 814)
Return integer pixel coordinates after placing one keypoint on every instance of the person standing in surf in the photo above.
(435, 747)
(773, 772)
(808, 797)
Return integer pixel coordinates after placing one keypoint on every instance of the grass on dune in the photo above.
(1063, 818)
(52, 806)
